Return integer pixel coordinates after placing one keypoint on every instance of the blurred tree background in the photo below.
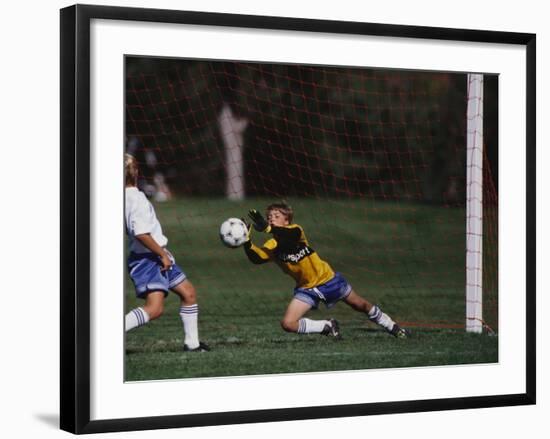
(311, 130)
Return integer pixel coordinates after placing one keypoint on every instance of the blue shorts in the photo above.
(145, 272)
(329, 293)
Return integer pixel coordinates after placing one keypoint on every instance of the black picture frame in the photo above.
(75, 217)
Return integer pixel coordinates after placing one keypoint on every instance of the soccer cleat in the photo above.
(332, 329)
(399, 332)
(202, 347)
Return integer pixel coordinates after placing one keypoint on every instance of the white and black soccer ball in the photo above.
(233, 232)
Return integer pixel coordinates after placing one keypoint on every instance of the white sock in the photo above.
(377, 316)
(189, 317)
(307, 326)
(136, 317)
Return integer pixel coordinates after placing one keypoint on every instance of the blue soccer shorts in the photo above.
(145, 272)
(329, 293)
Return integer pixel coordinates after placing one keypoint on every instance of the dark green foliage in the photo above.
(383, 134)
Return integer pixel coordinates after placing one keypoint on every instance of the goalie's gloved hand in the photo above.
(260, 223)
(248, 229)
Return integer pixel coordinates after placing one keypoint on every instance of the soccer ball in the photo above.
(233, 232)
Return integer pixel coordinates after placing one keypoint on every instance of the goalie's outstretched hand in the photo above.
(248, 229)
(260, 223)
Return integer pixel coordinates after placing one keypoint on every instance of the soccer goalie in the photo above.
(315, 279)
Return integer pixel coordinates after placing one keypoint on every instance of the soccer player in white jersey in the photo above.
(152, 267)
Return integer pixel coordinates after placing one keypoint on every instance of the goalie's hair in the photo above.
(131, 170)
(282, 207)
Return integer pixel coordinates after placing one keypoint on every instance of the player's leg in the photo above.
(153, 309)
(151, 285)
(374, 313)
(358, 303)
(189, 314)
(294, 320)
(186, 292)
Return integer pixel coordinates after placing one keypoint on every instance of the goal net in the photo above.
(374, 162)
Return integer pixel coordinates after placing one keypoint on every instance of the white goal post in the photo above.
(474, 204)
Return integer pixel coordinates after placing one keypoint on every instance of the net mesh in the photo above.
(372, 161)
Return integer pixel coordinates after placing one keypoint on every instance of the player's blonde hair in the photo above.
(282, 207)
(131, 169)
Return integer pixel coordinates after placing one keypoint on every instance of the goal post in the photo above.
(474, 204)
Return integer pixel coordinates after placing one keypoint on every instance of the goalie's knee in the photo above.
(289, 325)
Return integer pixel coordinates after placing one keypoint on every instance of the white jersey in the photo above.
(141, 218)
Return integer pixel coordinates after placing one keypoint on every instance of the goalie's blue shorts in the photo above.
(144, 269)
(329, 293)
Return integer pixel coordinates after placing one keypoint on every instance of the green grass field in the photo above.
(408, 258)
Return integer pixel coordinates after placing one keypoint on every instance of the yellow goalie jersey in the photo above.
(290, 250)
